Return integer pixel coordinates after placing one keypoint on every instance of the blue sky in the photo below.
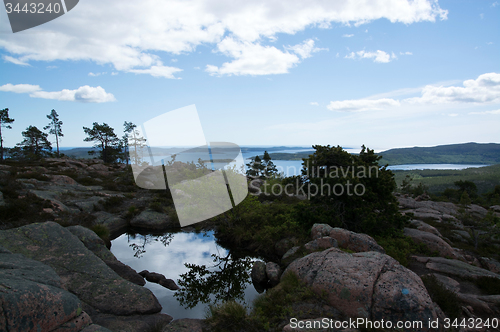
(386, 74)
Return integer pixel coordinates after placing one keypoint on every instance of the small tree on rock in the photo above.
(5, 122)
(106, 140)
(35, 144)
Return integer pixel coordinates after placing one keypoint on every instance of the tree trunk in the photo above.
(1, 143)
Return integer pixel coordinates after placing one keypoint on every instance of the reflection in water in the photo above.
(144, 240)
(225, 280)
(208, 265)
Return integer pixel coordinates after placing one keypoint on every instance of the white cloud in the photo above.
(358, 105)
(252, 59)
(377, 56)
(114, 73)
(20, 88)
(97, 74)
(85, 94)
(157, 71)
(452, 114)
(487, 112)
(348, 36)
(405, 53)
(15, 61)
(314, 103)
(305, 49)
(132, 36)
(485, 89)
(494, 4)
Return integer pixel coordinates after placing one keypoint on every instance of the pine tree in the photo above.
(255, 168)
(269, 167)
(55, 127)
(105, 139)
(133, 138)
(35, 144)
(4, 123)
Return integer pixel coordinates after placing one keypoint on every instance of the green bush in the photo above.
(401, 247)
(445, 298)
(102, 231)
(227, 317)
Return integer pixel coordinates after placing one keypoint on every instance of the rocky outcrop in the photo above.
(30, 289)
(83, 273)
(366, 284)
(346, 239)
(432, 241)
(95, 244)
(457, 268)
(2, 202)
(149, 219)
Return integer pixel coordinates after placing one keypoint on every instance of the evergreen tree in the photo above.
(269, 167)
(255, 168)
(54, 127)
(351, 191)
(106, 140)
(133, 138)
(4, 123)
(35, 144)
(127, 128)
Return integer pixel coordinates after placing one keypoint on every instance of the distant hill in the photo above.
(468, 153)
(78, 153)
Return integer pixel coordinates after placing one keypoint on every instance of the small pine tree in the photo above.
(35, 144)
(255, 168)
(54, 127)
(269, 167)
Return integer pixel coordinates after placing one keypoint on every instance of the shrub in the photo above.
(102, 231)
(227, 317)
(445, 298)
(489, 285)
(401, 247)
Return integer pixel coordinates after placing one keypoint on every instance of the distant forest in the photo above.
(468, 153)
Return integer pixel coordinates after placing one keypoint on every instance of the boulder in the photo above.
(321, 243)
(133, 323)
(432, 241)
(366, 284)
(114, 223)
(424, 227)
(82, 272)
(346, 239)
(159, 279)
(33, 297)
(273, 273)
(150, 219)
(62, 180)
(457, 268)
(2, 202)
(490, 264)
(258, 273)
(283, 245)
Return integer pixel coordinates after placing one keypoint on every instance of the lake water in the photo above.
(167, 253)
(293, 167)
(431, 166)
